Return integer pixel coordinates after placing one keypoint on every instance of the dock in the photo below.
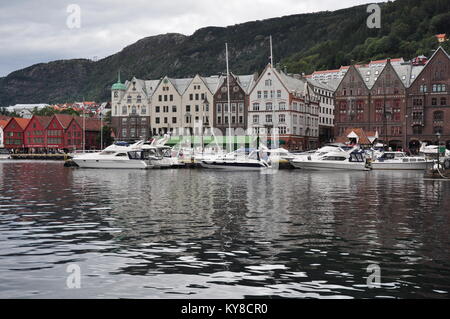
(40, 157)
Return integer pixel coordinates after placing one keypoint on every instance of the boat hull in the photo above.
(110, 164)
(418, 166)
(233, 166)
(330, 166)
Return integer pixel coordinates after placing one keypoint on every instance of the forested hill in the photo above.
(302, 43)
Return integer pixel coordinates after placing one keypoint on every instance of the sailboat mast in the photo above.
(229, 99)
(272, 93)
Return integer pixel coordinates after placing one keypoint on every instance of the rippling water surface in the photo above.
(207, 234)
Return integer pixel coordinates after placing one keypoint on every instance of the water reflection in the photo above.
(206, 234)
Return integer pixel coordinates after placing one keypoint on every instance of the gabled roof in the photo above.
(419, 71)
(90, 124)
(150, 87)
(246, 82)
(180, 84)
(3, 123)
(212, 83)
(364, 137)
(63, 119)
(44, 120)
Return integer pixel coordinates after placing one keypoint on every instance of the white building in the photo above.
(284, 102)
(324, 92)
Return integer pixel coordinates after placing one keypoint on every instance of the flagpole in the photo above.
(229, 99)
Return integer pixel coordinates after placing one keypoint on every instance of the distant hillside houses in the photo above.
(25, 110)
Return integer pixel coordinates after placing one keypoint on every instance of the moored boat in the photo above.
(399, 161)
(338, 160)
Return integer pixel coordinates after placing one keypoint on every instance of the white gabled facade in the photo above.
(166, 107)
(285, 102)
(198, 103)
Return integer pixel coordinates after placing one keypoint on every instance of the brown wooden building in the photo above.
(429, 103)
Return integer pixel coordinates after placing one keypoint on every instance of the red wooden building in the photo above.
(92, 130)
(14, 133)
(35, 134)
(56, 131)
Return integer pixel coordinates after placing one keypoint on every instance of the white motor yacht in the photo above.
(237, 161)
(4, 154)
(337, 160)
(317, 154)
(399, 161)
(114, 156)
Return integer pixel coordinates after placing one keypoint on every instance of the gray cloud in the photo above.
(36, 31)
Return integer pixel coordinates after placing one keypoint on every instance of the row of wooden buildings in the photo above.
(59, 132)
(403, 103)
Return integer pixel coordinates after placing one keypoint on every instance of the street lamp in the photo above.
(438, 135)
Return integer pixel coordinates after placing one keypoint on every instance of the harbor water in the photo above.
(193, 233)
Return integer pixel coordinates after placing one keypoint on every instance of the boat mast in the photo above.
(229, 99)
(272, 93)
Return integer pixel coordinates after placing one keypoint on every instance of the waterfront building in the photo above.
(92, 130)
(130, 108)
(235, 115)
(325, 93)
(428, 112)
(35, 133)
(166, 111)
(197, 102)
(287, 103)
(373, 97)
(14, 133)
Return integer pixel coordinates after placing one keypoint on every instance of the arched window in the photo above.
(255, 106)
(269, 106)
(133, 110)
(124, 110)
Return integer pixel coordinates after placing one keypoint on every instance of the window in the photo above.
(174, 120)
(268, 118)
(438, 116)
(124, 110)
(443, 101)
(174, 108)
(255, 106)
(255, 118)
(124, 132)
(438, 129)
(157, 109)
(269, 106)
(282, 106)
(268, 83)
(171, 97)
(133, 110)
(157, 121)
(143, 110)
(139, 99)
(124, 121)
(423, 88)
(188, 108)
(219, 120)
(279, 94)
(133, 132)
(191, 97)
(259, 94)
(129, 99)
(241, 107)
(265, 94)
(219, 108)
(282, 118)
(282, 130)
(434, 101)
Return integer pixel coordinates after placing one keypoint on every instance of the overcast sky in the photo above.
(37, 31)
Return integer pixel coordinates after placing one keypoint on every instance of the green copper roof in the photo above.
(119, 85)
